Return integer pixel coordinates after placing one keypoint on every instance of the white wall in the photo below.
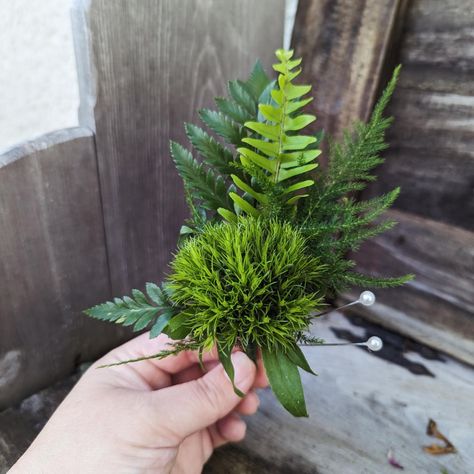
(38, 83)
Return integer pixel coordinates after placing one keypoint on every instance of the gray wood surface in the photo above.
(350, 46)
(156, 63)
(360, 406)
(431, 157)
(53, 262)
(438, 306)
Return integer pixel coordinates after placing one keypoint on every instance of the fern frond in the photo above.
(212, 152)
(257, 81)
(204, 185)
(140, 310)
(222, 125)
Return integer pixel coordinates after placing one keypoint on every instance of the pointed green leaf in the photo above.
(268, 131)
(154, 293)
(285, 174)
(284, 55)
(224, 354)
(270, 113)
(160, 324)
(297, 142)
(227, 215)
(294, 92)
(297, 123)
(262, 198)
(257, 81)
(243, 97)
(277, 96)
(269, 148)
(295, 354)
(257, 159)
(233, 110)
(285, 381)
(298, 158)
(222, 125)
(244, 205)
(296, 105)
(297, 186)
(296, 198)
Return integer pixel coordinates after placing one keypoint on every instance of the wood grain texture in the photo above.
(156, 64)
(360, 406)
(432, 139)
(438, 306)
(53, 262)
(343, 45)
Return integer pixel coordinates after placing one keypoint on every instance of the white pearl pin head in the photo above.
(374, 344)
(367, 298)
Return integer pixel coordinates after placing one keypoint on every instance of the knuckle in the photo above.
(209, 394)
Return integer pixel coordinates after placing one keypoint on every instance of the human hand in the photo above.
(160, 416)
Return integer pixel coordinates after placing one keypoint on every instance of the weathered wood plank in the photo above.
(361, 406)
(432, 139)
(157, 63)
(343, 45)
(53, 262)
(438, 306)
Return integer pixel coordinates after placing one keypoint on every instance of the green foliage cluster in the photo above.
(269, 232)
(249, 284)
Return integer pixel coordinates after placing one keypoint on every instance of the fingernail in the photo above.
(244, 370)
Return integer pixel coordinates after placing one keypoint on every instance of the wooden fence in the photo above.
(91, 212)
(86, 215)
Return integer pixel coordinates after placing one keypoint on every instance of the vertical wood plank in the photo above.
(157, 63)
(350, 47)
(53, 262)
(432, 139)
(343, 45)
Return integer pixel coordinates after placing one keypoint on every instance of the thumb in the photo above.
(195, 405)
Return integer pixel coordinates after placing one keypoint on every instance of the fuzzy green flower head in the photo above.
(251, 283)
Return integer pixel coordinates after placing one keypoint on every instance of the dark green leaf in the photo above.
(285, 381)
(155, 294)
(226, 361)
(241, 95)
(160, 324)
(207, 186)
(296, 356)
(233, 110)
(213, 153)
(222, 125)
(257, 81)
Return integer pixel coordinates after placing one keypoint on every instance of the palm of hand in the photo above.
(163, 416)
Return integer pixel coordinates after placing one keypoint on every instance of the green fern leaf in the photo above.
(243, 97)
(203, 185)
(257, 81)
(211, 150)
(233, 110)
(137, 311)
(222, 125)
